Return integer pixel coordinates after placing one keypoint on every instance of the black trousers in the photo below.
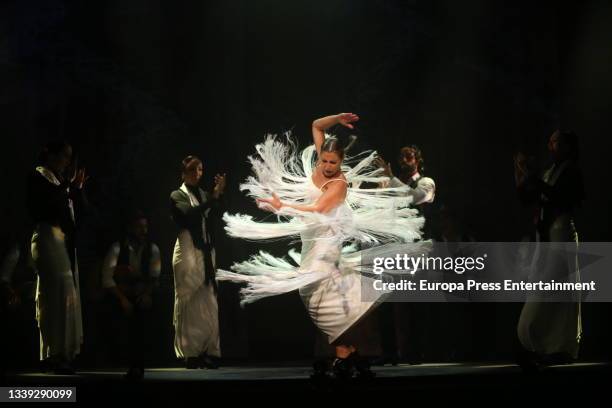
(128, 336)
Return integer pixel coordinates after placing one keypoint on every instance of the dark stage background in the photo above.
(137, 85)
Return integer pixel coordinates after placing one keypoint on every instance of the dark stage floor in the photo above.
(440, 379)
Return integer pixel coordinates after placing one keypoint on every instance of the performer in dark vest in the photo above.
(130, 273)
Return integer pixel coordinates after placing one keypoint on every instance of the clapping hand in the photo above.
(381, 163)
(520, 168)
(220, 183)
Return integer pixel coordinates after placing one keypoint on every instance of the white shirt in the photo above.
(112, 257)
(424, 192)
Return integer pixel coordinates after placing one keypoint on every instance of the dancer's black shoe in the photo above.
(192, 363)
(343, 368)
(210, 362)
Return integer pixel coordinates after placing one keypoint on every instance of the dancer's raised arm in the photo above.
(319, 126)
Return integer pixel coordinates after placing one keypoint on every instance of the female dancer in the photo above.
(196, 317)
(53, 193)
(327, 208)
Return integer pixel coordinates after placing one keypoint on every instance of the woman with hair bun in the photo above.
(196, 317)
(322, 202)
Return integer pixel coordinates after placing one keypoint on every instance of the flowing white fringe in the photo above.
(378, 216)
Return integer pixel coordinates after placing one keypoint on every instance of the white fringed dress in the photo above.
(328, 273)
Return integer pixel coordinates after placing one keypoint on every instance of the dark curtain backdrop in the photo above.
(137, 85)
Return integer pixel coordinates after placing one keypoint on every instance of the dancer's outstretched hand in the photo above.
(273, 202)
(345, 119)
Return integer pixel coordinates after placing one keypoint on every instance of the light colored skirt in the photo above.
(58, 302)
(196, 313)
(554, 327)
